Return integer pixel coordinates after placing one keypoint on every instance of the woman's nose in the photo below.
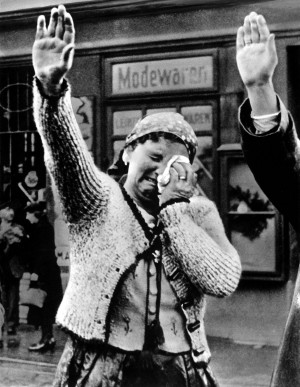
(160, 168)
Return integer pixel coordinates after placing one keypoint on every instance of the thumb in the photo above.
(272, 49)
(271, 43)
(67, 56)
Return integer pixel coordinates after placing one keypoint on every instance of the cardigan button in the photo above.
(152, 269)
(152, 272)
(153, 292)
(152, 309)
(98, 321)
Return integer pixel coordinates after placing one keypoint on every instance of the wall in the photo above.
(255, 313)
(16, 5)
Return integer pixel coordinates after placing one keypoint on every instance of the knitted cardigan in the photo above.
(106, 237)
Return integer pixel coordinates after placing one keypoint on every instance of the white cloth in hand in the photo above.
(164, 178)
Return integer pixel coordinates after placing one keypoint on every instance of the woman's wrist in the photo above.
(50, 88)
(173, 201)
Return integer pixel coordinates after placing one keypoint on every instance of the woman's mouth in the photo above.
(151, 179)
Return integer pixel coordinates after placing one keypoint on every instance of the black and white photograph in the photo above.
(149, 193)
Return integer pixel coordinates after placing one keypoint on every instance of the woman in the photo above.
(41, 251)
(141, 262)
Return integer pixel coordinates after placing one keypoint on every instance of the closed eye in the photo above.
(156, 158)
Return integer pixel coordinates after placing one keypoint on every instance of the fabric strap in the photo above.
(154, 335)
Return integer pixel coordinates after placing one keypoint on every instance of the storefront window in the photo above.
(23, 181)
(254, 227)
(22, 175)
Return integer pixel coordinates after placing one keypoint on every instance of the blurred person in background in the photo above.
(43, 263)
(12, 265)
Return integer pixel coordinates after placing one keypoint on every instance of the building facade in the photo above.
(136, 57)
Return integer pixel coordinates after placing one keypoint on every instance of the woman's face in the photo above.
(146, 162)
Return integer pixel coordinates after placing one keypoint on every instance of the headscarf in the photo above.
(166, 122)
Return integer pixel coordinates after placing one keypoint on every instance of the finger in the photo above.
(62, 10)
(271, 41)
(263, 28)
(247, 30)
(195, 178)
(59, 32)
(190, 175)
(41, 27)
(173, 174)
(180, 170)
(254, 27)
(52, 22)
(240, 43)
(67, 56)
(272, 47)
(69, 35)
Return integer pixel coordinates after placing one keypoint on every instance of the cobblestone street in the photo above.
(21, 373)
(235, 365)
(21, 368)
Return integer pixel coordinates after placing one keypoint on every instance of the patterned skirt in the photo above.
(87, 365)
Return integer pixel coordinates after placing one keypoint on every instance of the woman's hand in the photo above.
(53, 49)
(181, 184)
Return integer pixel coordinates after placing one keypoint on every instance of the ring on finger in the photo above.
(182, 178)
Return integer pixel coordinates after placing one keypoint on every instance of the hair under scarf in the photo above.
(166, 122)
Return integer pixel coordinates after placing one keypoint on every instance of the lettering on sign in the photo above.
(124, 121)
(159, 110)
(199, 117)
(163, 75)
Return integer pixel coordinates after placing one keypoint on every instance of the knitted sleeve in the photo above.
(83, 190)
(196, 238)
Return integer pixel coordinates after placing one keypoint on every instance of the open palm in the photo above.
(52, 52)
(256, 51)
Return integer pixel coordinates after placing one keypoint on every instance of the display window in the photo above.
(254, 226)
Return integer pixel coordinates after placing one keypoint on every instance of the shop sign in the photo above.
(125, 120)
(163, 75)
(199, 117)
(159, 110)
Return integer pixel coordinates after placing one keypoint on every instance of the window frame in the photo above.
(233, 152)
